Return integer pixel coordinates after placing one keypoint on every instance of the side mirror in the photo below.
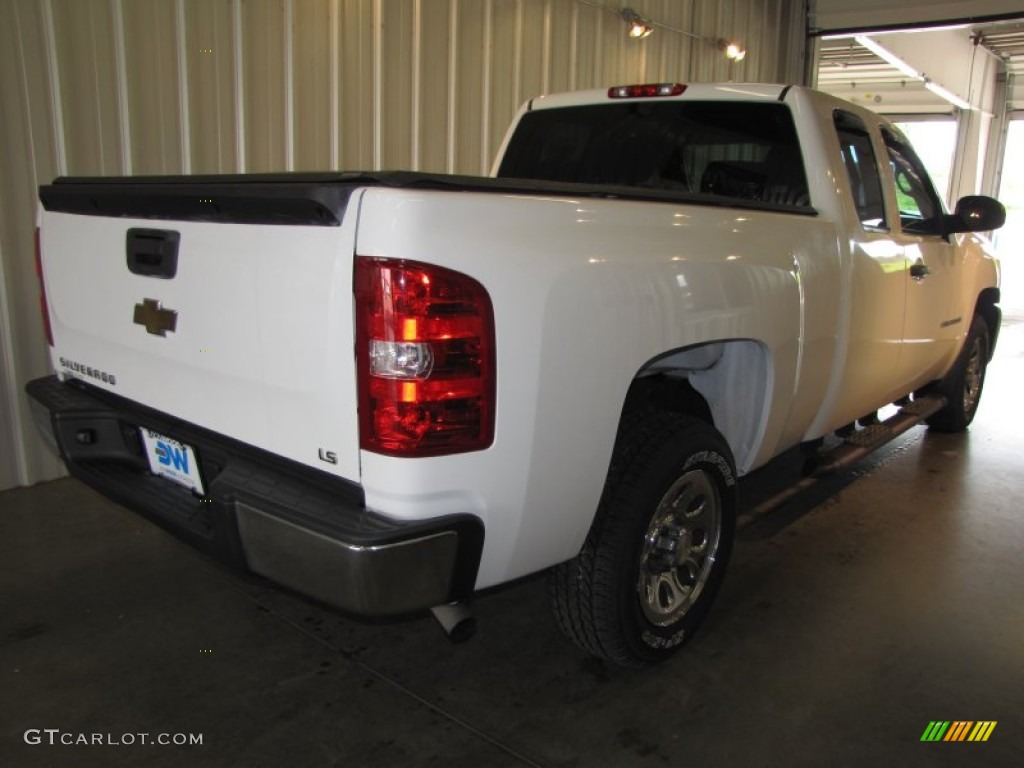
(976, 213)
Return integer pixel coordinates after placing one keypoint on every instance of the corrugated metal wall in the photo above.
(200, 86)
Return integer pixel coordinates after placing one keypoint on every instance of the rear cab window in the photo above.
(721, 149)
(862, 175)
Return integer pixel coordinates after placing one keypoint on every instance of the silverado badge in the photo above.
(155, 318)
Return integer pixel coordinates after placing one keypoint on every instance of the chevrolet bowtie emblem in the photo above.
(155, 318)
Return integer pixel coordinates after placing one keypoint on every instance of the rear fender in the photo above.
(728, 384)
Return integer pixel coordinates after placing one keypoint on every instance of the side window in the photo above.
(861, 169)
(920, 210)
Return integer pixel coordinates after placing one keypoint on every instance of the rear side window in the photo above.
(731, 149)
(861, 169)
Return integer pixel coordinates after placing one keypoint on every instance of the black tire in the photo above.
(657, 551)
(964, 383)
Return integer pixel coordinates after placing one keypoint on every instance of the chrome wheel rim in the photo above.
(972, 377)
(679, 548)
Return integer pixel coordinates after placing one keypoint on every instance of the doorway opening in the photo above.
(934, 139)
(1009, 240)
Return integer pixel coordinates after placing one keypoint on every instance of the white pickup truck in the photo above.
(390, 390)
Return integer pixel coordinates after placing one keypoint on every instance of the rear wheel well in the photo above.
(667, 393)
(725, 383)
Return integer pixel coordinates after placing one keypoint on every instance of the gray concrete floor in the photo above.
(853, 616)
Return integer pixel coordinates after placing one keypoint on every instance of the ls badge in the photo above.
(156, 320)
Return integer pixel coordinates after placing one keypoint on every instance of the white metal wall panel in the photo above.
(88, 85)
(472, 56)
(356, 35)
(219, 86)
(431, 115)
(263, 57)
(88, 79)
(210, 60)
(311, 84)
(396, 95)
(154, 95)
(9, 470)
(505, 67)
(29, 153)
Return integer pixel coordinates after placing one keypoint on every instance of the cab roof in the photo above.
(693, 91)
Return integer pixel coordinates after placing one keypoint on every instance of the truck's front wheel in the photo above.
(657, 550)
(964, 383)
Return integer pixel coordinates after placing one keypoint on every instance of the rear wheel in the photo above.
(964, 384)
(657, 550)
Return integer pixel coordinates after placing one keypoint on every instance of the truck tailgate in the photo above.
(251, 336)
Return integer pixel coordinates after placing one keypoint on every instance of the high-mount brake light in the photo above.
(44, 307)
(425, 359)
(649, 90)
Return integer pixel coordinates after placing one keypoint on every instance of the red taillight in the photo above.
(645, 91)
(43, 306)
(425, 359)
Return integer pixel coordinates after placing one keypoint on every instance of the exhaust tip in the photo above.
(457, 621)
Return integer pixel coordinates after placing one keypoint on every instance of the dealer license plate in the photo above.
(172, 459)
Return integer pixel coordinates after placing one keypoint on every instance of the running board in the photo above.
(864, 441)
(855, 447)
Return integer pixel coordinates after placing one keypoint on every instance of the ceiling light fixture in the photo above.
(639, 27)
(733, 51)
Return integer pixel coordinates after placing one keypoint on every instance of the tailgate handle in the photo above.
(152, 252)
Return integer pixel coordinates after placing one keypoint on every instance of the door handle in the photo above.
(152, 252)
(919, 271)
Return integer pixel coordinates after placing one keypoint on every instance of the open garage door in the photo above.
(952, 76)
(961, 73)
(1010, 239)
